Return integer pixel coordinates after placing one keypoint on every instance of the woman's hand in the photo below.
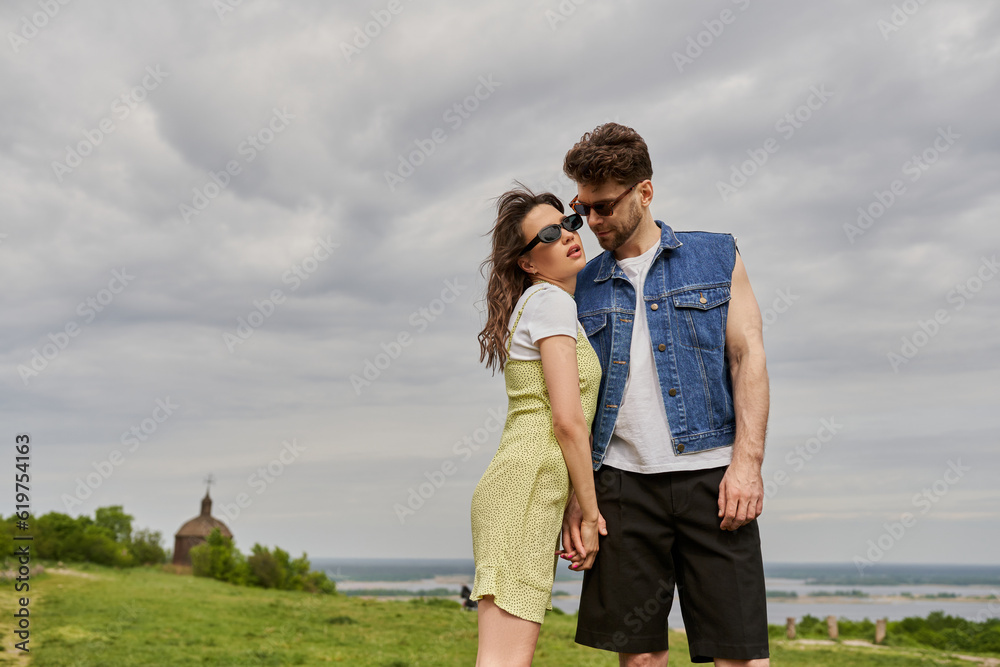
(580, 544)
(572, 517)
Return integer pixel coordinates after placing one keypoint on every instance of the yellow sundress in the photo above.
(518, 505)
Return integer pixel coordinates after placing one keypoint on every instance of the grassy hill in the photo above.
(97, 616)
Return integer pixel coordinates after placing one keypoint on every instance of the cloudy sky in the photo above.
(244, 239)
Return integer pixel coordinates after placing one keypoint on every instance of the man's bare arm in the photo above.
(741, 494)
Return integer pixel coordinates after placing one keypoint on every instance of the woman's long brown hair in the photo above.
(505, 280)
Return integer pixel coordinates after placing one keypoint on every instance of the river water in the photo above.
(882, 601)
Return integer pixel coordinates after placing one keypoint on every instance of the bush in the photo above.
(106, 539)
(145, 548)
(938, 631)
(948, 633)
(856, 629)
(219, 559)
(269, 570)
(811, 627)
(98, 546)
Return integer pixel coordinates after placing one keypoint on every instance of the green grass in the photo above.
(146, 616)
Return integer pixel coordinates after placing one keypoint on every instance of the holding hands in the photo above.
(580, 536)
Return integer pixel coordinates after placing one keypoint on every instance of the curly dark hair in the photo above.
(610, 151)
(505, 279)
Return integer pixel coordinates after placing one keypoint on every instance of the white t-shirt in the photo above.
(551, 312)
(640, 441)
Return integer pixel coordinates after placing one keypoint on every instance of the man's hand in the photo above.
(741, 494)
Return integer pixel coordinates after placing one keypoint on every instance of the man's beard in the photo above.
(619, 235)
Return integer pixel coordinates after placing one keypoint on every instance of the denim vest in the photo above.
(686, 296)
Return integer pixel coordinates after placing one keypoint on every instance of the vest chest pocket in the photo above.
(598, 333)
(701, 317)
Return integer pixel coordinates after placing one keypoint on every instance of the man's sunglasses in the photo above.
(551, 233)
(603, 209)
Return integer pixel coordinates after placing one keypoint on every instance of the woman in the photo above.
(552, 376)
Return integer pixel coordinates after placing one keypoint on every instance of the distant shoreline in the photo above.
(825, 574)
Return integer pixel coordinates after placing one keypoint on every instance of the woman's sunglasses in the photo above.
(551, 233)
(603, 209)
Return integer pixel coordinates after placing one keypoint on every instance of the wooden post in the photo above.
(790, 627)
(831, 626)
(880, 626)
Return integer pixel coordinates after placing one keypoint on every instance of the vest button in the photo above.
(661, 347)
(653, 307)
(672, 392)
(680, 448)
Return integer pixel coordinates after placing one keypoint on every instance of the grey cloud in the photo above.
(325, 176)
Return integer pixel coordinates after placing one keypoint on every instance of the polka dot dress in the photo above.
(517, 507)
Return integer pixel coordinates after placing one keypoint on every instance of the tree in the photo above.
(267, 570)
(145, 548)
(58, 536)
(115, 520)
(97, 546)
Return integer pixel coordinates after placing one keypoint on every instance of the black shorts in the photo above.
(663, 529)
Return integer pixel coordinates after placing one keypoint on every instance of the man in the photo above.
(678, 439)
